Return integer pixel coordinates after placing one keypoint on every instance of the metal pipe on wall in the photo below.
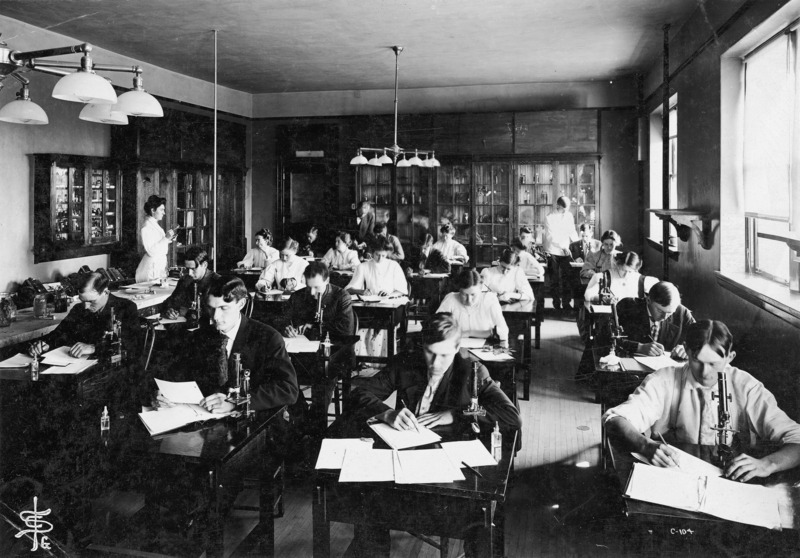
(216, 205)
(665, 156)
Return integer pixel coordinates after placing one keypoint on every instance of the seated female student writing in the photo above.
(507, 279)
(451, 249)
(477, 312)
(380, 275)
(527, 262)
(623, 280)
(285, 273)
(602, 260)
(263, 254)
(341, 257)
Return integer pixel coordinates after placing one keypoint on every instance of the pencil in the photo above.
(663, 441)
(416, 427)
(476, 473)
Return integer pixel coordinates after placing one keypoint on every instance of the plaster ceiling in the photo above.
(323, 45)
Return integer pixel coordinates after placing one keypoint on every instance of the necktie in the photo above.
(222, 358)
(654, 331)
(708, 418)
(427, 399)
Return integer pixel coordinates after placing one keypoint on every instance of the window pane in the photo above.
(768, 130)
(773, 255)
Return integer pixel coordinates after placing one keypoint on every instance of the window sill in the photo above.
(768, 295)
(659, 247)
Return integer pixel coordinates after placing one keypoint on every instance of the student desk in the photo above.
(537, 286)
(430, 287)
(248, 275)
(502, 371)
(679, 532)
(131, 490)
(386, 314)
(615, 383)
(443, 510)
(523, 314)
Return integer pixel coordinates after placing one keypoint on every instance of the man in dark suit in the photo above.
(196, 261)
(210, 359)
(655, 324)
(585, 245)
(88, 321)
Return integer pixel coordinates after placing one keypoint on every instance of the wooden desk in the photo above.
(523, 314)
(502, 371)
(676, 531)
(615, 383)
(387, 314)
(444, 510)
(27, 328)
(149, 303)
(249, 276)
(431, 287)
(129, 479)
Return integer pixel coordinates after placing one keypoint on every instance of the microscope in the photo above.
(110, 353)
(474, 410)
(239, 393)
(193, 313)
(724, 450)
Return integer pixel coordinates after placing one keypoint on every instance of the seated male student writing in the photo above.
(196, 261)
(87, 322)
(677, 402)
(655, 324)
(209, 353)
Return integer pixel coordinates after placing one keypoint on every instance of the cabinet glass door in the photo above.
(492, 196)
(103, 205)
(535, 195)
(185, 209)
(376, 188)
(69, 188)
(577, 182)
(453, 188)
(204, 208)
(413, 209)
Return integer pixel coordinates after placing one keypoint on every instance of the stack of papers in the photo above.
(658, 362)
(600, 309)
(473, 453)
(490, 356)
(688, 463)
(331, 453)
(370, 298)
(402, 467)
(171, 418)
(17, 361)
(60, 362)
(300, 344)
(472, 342)
(402, 439)
(180, 392)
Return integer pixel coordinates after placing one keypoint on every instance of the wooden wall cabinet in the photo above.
(77, 206)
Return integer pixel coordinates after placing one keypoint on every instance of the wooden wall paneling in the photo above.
(445, 134)
(566, 131)
(486, 133)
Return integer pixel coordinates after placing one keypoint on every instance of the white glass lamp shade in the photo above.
(358, 159)
(23, 112)
(375, 161)
(415, 160)
(402, 163)
(140, 103)
(104, 114)
(433, 161)
(85, 87)
(385, 159)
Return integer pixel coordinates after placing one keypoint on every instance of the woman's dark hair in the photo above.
(562, 201)
(290, 244)
(509, 257)
(265, 234)
(441, 327)
(344, 237)
(525, 229)
(713, 333)
(466, 279)
(631, 259)
(517, 243)
(447, 228)
(611, 234)
(380, 226)
(382, 244)
(153, 203)
(316, 268)
(228, 287)
(585, 227)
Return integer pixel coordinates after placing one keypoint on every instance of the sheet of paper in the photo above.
(472, 342)
(473, 453)
(600, 309)
(367, 465)
(657, 362)
(369, 298)
(331, 453)
(688, 463)
(74, 368)
(273, 292)
(300, 344)
(743, 503)
(60, 357)
(436, 275)
(402, 439)
(490, 356)
(166, 419)
(180, 392)
(668, 487)
(425, 466)
(17, 361)
(178, 320)
(576, 264)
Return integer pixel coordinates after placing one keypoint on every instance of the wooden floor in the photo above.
(553, 495)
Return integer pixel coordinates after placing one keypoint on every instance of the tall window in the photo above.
(656, 165)
(771, 149)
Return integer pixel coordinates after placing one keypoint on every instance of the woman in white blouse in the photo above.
(380, 275)
(452, 250)
(287, 272)
(603, 259)
(154, 241)
(527, 262)
(507, 280)
(625, 279)
(477, 312)
(263, 254)
(341, 257)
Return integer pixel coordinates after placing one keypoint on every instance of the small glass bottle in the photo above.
(105, 421)
(8, 307)
(34, 369)
(497, 443)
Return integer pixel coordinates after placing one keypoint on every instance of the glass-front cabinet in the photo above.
(492, 209)
(77, 205)
(412, 201)
(376, 188)
(453, 201)
(193, 211)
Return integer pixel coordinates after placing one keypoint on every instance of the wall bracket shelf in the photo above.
(687, 220)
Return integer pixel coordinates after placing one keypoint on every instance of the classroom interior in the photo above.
(302, 86)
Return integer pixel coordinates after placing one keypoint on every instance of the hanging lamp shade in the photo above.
(23, 112)
(415, 161)
(140, 103)
(375, 161)
(104, 114)
(358, 159)
(402, 163)
(433, 162)
(385, 159)
(85, 86)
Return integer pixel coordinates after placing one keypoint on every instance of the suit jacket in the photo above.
(84, 326)
(337, 312)
(577, 248)
(365, 228)
(635, 322)
(181, 297)
(273, 381)
(408, 374)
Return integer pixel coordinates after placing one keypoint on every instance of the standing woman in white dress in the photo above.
(154, 241)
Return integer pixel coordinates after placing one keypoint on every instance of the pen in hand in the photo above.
(413, 418)
(674, 462)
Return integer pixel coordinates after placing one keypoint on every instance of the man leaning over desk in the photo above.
(87, 322)
(196, 262)
(677, 402)
(209, 359)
